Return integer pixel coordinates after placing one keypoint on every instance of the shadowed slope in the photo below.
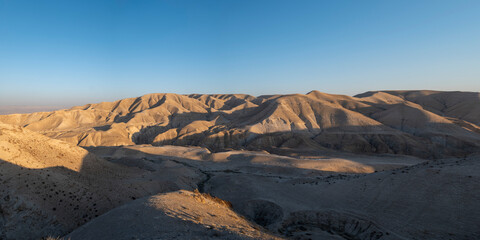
(49, 187)
(374, 122)
(460, 105)
(175, 215)
(434, 200)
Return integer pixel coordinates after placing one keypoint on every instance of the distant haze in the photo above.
(28, 109)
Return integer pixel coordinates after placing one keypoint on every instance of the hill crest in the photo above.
(420, 123)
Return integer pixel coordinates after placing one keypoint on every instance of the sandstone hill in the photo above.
(427, 124)
(176, 215)
(49, 187)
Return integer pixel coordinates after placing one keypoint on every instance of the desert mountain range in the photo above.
(427, 124)
(380, 165)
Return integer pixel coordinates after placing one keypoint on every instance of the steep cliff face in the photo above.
(421, 123)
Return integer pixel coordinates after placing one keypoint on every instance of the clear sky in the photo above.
(78, 52)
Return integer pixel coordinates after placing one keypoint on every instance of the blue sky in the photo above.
(78, 52)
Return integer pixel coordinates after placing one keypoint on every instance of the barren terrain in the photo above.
(380, 165)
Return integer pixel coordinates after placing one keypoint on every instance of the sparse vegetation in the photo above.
(201, 197)
(55, 238)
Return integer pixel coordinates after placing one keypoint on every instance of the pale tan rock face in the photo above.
(427, 124)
